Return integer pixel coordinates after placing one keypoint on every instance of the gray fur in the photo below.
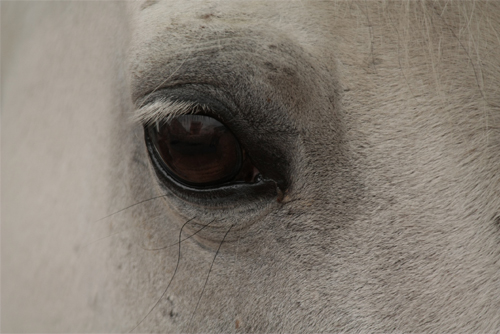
(386, 116)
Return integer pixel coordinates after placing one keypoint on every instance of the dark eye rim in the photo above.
(215, 196)
(266, 149)
(214, 184)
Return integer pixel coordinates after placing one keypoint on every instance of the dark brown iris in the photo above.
(199, 150)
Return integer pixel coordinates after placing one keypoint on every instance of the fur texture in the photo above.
(382, 117)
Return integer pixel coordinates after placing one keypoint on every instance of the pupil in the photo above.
(197, 150)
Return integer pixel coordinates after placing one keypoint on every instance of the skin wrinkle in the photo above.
(382, 116)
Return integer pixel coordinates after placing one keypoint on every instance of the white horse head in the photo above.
(345, 177)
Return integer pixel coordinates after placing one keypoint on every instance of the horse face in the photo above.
(370, 130)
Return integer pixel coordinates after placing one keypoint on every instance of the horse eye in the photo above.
(199, 151)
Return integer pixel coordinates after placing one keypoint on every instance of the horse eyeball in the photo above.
(198, 150)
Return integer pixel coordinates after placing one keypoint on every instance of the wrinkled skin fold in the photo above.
(376, 124)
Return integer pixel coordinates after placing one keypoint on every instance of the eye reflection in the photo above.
(199, 150)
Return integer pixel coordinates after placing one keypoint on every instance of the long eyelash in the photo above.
(163, 110)
(208, 275)
(130, 206)
(171, 279)
(128, 229)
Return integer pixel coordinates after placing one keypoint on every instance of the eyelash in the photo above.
(163, 110)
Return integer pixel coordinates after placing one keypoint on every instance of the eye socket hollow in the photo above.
(200, 151)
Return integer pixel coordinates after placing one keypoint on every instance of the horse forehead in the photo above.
(192, 23)
(362, 45)
(359, 36)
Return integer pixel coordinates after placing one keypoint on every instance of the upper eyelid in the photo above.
(163, 110)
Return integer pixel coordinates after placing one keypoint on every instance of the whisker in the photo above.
(130, 206)
(168, 246)
(209, 271)
(171, 279)
(127, 229)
